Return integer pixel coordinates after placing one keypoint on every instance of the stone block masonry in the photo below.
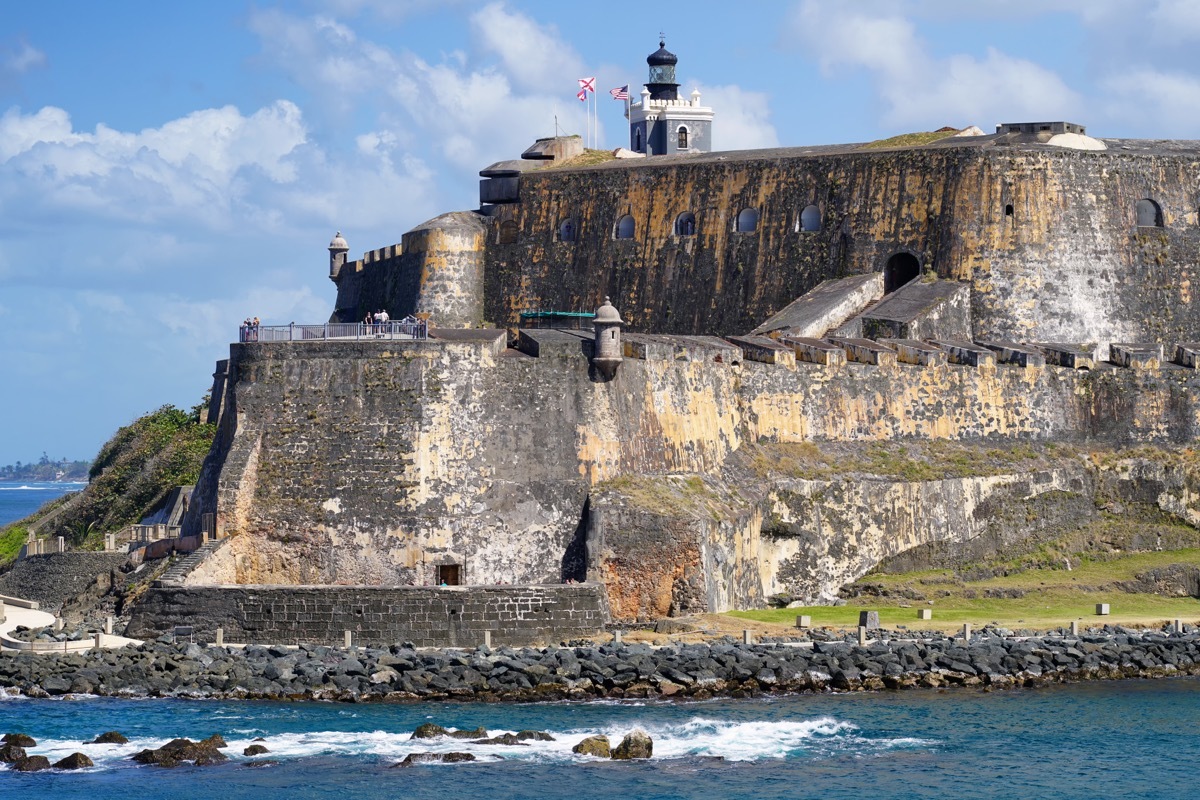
(442, 616)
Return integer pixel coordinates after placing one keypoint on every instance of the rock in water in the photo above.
(75, 761)
(637, 744)
(539, 736)
(413, 759)
(112, 737)
(431, 731)
(504, 738)
(597, 746)
(10, 754)
(255, 750)
(18, 739)
(32, 764)
(201, 753)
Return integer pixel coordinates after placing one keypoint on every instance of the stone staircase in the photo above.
(177, 572)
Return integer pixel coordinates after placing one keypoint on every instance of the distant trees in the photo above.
(46, 469)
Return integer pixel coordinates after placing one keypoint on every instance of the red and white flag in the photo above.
(587, 85)
(582, 95)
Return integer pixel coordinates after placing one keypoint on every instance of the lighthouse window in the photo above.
(625, 228)
(683, 138)
(747, 220)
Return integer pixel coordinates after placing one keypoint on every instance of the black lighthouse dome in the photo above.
(662, 83)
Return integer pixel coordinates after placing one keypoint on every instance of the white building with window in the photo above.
(662, 123)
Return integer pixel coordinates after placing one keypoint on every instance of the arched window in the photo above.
(901, 268)
(567, 231)
(625, 227)
(747, 220)
(637, 140)
(810, 219)
(685, 224)
(682, 144)
(1149, 214)
(508, 232)
(1008, 210)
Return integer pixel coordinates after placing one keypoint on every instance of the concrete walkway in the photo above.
(33, 618)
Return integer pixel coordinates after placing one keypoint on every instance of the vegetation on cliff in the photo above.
(133, 472)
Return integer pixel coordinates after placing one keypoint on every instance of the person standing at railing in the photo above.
(381, 319)
(366, 323)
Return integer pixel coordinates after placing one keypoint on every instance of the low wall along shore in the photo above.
(441, 616)
(686, 671)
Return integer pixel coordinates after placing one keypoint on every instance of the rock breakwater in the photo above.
(682, 671)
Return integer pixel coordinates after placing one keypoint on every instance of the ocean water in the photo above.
(18, 500)
(1115, 740)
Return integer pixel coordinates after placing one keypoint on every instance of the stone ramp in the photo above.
(827, 307)
(921, 309)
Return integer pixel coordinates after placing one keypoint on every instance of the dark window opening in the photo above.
(566, 231)
(685, 224)
(901, 268)
(625, 227)
(1008, 210)
(747, 220)
(508, 232)
(449, 575)
(637, 140)
(1149, 214)
(682, 144)
(810, 219)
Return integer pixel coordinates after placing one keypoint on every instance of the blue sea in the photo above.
(1116, 739)
(18, 500)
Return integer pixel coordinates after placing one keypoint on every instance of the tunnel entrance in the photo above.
(901, 268)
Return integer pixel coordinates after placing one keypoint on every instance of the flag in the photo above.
(620, 93)
(582, 95)
(587, 85)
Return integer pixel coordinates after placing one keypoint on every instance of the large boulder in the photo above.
(202, 753)
(636, 744)
(537, 736)
(504, 738)
(597, 746)
(32, 764)
(255, 750)
(11, 753)
(74, 761)
(19, 739)
(112, 737)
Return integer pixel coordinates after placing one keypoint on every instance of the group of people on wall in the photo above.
(249, 330)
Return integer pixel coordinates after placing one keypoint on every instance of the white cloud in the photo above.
(742, 119)
(534, 55)
(918, 89)
(1170, 99)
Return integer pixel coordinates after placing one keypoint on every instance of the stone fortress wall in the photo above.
(1047, 238)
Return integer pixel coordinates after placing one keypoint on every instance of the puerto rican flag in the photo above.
(620, 93)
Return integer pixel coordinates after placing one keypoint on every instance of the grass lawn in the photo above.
(1052, 598)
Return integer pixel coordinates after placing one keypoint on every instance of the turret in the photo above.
(337, 255)
(607, 353)
(662, 83)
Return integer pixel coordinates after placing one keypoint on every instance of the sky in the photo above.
(169, 169)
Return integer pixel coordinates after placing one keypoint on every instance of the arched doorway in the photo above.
(901, 268)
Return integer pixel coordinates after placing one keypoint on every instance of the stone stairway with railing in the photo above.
(177, 572)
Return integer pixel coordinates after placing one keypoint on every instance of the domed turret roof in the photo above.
(338, 243)
(606, 314)
(662, 56)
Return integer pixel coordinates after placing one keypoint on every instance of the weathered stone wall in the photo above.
(377, 462)
(55, 578)
(1068, 264)
(427, 617)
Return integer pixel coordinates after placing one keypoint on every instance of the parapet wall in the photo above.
(427, 617)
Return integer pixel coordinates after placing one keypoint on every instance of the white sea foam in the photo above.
(696, 737)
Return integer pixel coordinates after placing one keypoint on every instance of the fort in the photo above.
(765, 322)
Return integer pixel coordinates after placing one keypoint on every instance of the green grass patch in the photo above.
(588, 158)
(909, 140)
(11, 540)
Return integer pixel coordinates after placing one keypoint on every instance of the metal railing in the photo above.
(562, 320)
(143, 534)
(407, 328)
